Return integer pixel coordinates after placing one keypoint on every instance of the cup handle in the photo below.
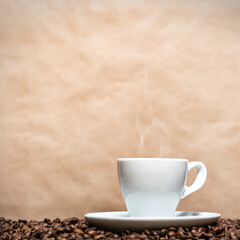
(200, 179)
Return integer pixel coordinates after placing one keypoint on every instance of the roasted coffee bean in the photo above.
(83, 226)
(91, 232)
(52, 233)
(201, 229)
(115, 235)
(78, 230)
(180, 231)
(172, 234)
(56, 220)
(163, 232)
(146, 231)
(127, 232)
(100, 232)
(218, 230)
(111, 235)
(96, 237)
(22, 220)
(65, 235)
(207, 235)
(154, 233)
(46, 220)
(57, 225)
(68, 229)
(233, 235)
(74, 220)
(133, 235)
(6, 236)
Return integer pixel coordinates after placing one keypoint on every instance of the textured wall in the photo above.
(85, 82)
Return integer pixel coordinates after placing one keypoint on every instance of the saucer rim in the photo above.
(102, 215)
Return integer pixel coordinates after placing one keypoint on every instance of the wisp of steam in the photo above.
(154, 138)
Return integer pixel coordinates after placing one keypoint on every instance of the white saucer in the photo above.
(120, 221)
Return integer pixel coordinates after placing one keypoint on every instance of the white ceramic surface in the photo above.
(120, 221)
(153, 187)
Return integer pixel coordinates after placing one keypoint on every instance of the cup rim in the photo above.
(155, 159)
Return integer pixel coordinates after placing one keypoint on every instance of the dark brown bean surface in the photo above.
(76, 229)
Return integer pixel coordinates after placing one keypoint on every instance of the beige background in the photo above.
(85, 82)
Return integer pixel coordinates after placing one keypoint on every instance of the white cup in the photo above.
(153, 187)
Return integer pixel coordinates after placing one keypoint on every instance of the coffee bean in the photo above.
(201, 229)
(57, 225)
(78, 230)
(172, 234)
(163, 232)
(6, 236)
(91, 232)
(218, 230)
(100, 232)
(96, 237)
(74, 220)
(25, 228)
(133, 235)
(233, 235)
(52, 233)
(65, 235)
(207, 235)
(22, 220)
(83, 226)
(46, 220)
(143, 235)
(56, 220)
(147, 232)
(154, 233)
(115, 235)
(68, 229)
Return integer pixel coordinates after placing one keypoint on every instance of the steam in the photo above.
(154, 138)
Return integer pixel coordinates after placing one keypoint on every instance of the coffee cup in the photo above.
(153, 187)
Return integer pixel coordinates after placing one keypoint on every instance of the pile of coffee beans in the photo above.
(74, 228)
